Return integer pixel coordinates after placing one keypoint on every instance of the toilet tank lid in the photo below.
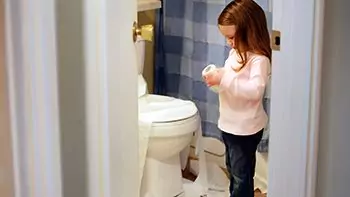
(165, 109)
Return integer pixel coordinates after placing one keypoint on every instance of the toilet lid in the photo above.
(165, 109)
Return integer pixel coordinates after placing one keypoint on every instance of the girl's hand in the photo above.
(213, 78)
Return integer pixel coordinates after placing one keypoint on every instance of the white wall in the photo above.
(71, 97)
(334, 153)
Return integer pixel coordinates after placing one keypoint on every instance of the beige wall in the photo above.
(145, 18)
(6, 170)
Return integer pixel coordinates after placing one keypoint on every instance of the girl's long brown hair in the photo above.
(252, 34)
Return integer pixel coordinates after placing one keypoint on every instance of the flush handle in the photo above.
(145, 31)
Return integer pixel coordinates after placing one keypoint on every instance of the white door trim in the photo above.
(32, 79)
(111, 98)
(295, 102)
(315, 100)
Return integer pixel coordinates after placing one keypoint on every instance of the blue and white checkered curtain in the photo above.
(187, 40)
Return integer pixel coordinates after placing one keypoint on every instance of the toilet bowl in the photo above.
(174, 122)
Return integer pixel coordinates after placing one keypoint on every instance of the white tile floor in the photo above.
(192, 190)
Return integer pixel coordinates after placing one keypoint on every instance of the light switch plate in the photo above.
(276, 40)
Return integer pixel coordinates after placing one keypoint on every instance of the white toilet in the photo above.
(174, 122)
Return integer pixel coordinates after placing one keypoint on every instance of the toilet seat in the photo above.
(170, 116)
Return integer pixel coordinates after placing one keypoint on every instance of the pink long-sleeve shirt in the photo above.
(241, 95)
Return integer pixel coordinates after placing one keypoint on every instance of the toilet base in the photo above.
(162, 178)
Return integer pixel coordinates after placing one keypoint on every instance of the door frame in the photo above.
(111, 95)
(293, 152)
(32, 65)
(315, 99)
(32, 91)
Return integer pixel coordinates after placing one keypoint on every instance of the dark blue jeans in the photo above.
(240, 161)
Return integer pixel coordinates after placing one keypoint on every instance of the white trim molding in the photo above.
(111, 98)
(295, 98)
(32, 78)
(315, 100)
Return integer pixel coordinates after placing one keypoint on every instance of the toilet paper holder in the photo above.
(145, 31)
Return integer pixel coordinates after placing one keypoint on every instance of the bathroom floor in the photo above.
(190, 190)
(186, 174)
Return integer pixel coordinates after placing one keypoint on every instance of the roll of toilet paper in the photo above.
(208, 69)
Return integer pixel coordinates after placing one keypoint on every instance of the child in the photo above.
(242, 84)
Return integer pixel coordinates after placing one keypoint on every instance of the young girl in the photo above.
(242, 84)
